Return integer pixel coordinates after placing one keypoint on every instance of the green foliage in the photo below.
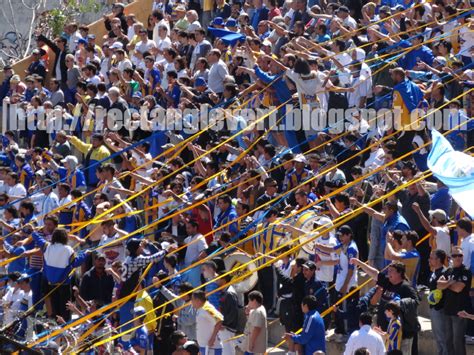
(54, 20)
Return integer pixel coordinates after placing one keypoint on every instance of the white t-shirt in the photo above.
(310, 90)
(17, 191)
(143, 47)
(113, 252)
(206, 319)
(467, 246)
(343, 268)
(443, 240)
(326, 272)
(194, 248)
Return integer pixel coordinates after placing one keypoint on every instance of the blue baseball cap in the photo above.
(81, 40)
(231, 23)
(200, 82)
(218, 21)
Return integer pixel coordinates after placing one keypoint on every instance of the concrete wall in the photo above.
(141, 8)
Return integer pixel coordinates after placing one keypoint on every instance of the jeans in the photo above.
(228, 346)
(455, 330)
(438, 325)
(406, 346)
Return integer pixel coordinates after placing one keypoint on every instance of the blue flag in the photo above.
(455, 169)
(411, 94)
(228, 37)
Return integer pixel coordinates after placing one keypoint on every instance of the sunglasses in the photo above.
(457, 255)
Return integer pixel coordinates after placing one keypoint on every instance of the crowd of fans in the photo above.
(141, 220)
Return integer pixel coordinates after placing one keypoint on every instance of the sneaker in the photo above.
(469, 340)
(341, 338)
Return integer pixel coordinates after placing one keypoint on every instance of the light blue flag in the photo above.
(455, 169)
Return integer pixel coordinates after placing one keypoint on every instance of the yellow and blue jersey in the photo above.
(268, 238)
(26, 175)
(394, 335)
(294, 179)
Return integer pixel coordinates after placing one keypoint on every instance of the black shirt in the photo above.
(432, 285)
(458, 301)
(392, 292)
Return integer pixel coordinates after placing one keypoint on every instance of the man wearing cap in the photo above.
(71, 173)
(346, 275)
(439, 231)
(201, 94)
(313, 287)
(298, 174)
(456, 284)
(438, 259)
(37, 65)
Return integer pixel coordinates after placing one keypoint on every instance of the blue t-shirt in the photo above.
(140, 338)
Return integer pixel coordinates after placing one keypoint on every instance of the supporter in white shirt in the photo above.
(162, 42)
(365, 337)
(113, 251)
(11, 303)
(217, 72)
(15, 189)
(46, 200)
(325, 263)
(122, 62)
(344, 14)
(464, 230)
(208, 322)
(145, 44)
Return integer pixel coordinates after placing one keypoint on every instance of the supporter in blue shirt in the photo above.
(312, 337)
(441, 199)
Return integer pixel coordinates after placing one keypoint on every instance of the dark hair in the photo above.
(362, 351)
(399, 267)
(52, 218)
(193, 223)
(176, 336)
(226, 198)
(13, 211)
(440, 254)
(76, 193)
(256, 296)
(171, 259)
(302, 67)
(394, 307)
(200, 295)
(65, 187)
(365, 318)
(59, 236)
(28, 205)
(413, 237)
(310, 301)
(185, 287)
(465, 224)
(343, 197)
